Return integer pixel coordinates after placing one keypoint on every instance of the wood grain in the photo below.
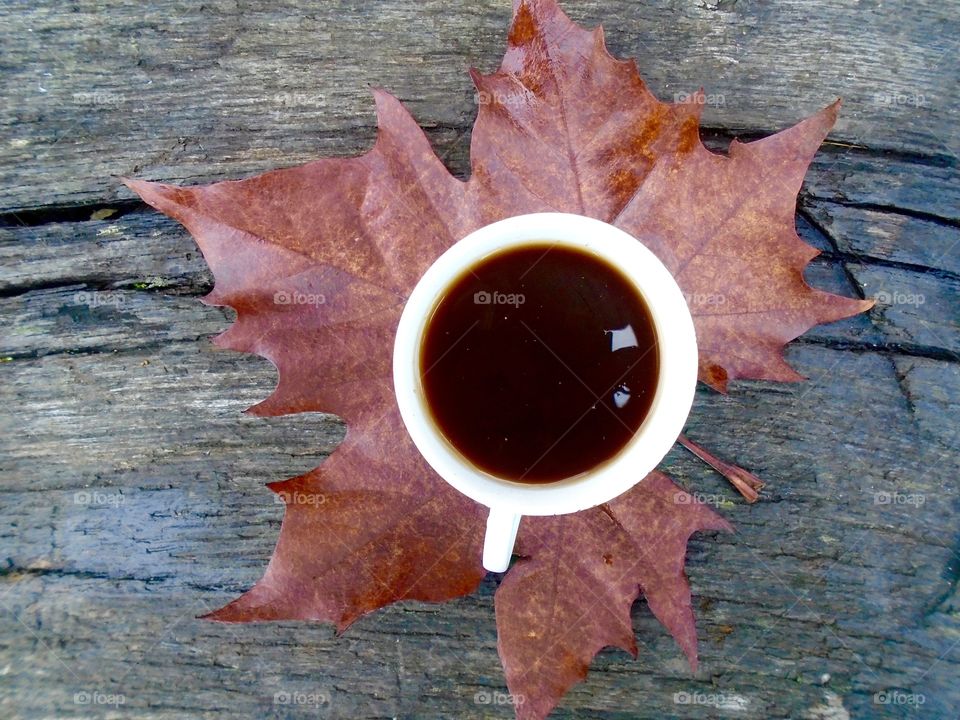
(132, 483)
(190, 92)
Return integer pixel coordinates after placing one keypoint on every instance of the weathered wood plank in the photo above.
(116, 284)
(916, 313)
(142, 247)
(192, 495)
(890, 237)
(820, 578)
(910, 185)
(933, 396)
(176, 403)
(133, 485)
(143, 630)
(192, 93)
(913, 309)
(74, 319)
(139, 249)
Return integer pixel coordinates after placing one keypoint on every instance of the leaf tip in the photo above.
(714, 376)
(168, 199)
(140, 187)
(722, 524)
(385, 102)
(258, 410)
(832, 111)
(226, 614)
(790, 375)
(278, 486)
(274, 405)
(710, 519)
(347, 619)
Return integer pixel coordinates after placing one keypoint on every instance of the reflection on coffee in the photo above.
(539, 363)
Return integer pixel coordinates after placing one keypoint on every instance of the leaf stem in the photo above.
(748, 484)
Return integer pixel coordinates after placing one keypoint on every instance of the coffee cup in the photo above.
(508, 499)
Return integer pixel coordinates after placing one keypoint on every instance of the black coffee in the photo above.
(540, 363)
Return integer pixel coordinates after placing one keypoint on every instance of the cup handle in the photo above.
(498, 543)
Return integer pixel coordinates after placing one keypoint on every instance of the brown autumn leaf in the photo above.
(318, 260)
(570, 594)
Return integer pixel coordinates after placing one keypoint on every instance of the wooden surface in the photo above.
(132, 485)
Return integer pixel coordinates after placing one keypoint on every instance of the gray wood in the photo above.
(190, 92)
(891, 238)
(101, 299)
(132, 483)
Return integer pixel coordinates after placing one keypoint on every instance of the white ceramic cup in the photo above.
(677, 347)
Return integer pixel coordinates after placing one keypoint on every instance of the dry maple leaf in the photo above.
(318, 260)
(570, 594)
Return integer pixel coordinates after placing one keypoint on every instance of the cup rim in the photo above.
(671, 404)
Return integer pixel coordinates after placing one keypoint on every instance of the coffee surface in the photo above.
(539, 363)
